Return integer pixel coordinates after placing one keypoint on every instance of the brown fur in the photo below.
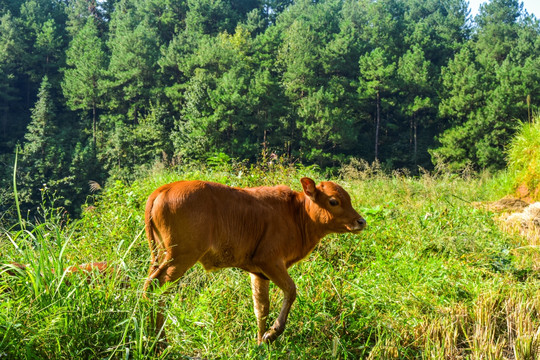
(101, 267)
(10, 270)
(262, 230)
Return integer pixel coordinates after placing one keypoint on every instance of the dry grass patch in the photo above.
(499, 325)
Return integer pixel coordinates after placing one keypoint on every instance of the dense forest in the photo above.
(93, 90)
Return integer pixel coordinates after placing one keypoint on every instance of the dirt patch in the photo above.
(508, 204)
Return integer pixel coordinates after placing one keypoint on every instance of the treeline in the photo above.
(93, 89)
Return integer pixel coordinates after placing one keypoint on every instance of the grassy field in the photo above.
(432, 277)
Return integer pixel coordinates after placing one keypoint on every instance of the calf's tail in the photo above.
(156, 265)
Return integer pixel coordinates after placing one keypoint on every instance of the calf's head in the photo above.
(330, 206)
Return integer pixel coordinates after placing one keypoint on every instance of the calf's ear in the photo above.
(309, 187)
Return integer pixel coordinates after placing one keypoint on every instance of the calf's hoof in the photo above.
(161, 347)
(271, 335)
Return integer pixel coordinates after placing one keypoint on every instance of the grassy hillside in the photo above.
(431, 278)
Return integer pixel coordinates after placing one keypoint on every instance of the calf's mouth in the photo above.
(357, 226)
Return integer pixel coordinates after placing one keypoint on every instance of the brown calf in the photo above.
(262, 230)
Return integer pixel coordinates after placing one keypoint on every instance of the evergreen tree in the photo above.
(78, 12)
(439, 28)
(11, 52)
(497, 30)
(211, 17)
(384, 27)
(133, 67)
(417, 91)
(376, 73)
(317, 80)
(83, 80)
(167, 17)
(484, 88)
(42, 158)
(217, 108)
(49, 45)
(129, 147)
(43, 25)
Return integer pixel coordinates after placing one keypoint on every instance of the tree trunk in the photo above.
(264, 145)
(411, 134)
(94, 126)
(415, 125)
(377, 126)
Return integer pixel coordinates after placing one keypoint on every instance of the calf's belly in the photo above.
(225, 256)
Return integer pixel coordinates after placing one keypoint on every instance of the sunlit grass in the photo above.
(430, 278)
(524, 157)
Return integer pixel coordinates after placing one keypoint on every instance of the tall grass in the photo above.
(430, 278)
(524, 157)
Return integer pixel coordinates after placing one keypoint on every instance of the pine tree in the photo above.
(11, 52)
(83, 80)
(42, 157)
(415, 83)
(376, 73)
(133, 68)
(486, 85)
(78, 12)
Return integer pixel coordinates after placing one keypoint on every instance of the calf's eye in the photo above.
(334, 202)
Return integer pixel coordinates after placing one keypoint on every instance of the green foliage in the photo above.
(409, 83)
(83, 81)
(46, 167)
(86, 59)
(524, 157)
(317, 88)
(131, 147)
(42, 157)
(134, 50)
(376, 74)
(227, 104)
(10, 52)
(219, 159)
(209, 17)
(486, 87)
(414, 74)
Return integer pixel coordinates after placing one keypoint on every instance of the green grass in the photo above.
(524, 157)
(431, 277)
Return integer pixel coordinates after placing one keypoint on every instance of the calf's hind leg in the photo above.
(261, 303)
(170, 270)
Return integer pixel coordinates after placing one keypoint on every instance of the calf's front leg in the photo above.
(261, 303)
(279, 275)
